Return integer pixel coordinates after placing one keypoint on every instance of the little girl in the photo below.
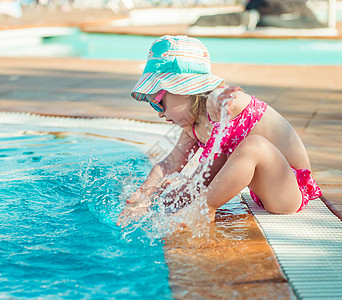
(260, 149)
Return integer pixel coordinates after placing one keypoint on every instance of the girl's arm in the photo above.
(175, 161)
(138, 203)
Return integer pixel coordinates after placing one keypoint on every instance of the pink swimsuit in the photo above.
(237, 130)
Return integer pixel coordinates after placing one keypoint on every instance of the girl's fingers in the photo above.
(135, 197)
(131, 213)
(131, 200)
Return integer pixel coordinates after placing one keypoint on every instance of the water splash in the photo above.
(54, 217)
(104, 188)
(180, 200)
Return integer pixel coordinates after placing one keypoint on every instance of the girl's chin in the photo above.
(183, 125)
(183, 122)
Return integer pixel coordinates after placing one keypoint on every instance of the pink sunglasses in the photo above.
(155, 102)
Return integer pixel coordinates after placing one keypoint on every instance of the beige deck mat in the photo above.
(308, 246)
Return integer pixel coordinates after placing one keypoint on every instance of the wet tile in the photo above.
(229, 228)
(223, 264)
(265, 290)
(234, 254)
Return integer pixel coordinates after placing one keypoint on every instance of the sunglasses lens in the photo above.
(155, 102)
(157, 107)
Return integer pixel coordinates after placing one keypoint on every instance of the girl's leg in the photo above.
(257, 163)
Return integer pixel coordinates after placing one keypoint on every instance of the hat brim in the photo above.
(179, 84)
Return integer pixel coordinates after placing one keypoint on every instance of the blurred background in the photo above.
(65, 26)
(200, 13)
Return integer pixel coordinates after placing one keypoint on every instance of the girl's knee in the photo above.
(256, 149)
(256, 140)
(253, 145)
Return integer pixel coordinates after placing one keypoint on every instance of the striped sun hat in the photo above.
(179, 65)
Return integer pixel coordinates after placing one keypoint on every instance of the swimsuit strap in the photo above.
(194, 132)
(209, 119)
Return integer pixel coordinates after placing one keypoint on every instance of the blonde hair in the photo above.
(199, 104)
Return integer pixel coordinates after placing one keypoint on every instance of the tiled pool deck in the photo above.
(309, 97)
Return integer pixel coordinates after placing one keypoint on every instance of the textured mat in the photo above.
(86, 123)
(308, 246)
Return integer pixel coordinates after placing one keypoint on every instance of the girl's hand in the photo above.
(134, 198)
(136, 206)
(138, 203)
(132, 212)
(217, 97)
(144, 193)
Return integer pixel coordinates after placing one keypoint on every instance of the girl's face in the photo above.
(177, 109)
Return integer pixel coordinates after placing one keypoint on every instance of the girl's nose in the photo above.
(161, 114)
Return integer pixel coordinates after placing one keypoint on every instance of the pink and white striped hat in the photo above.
(178, 64)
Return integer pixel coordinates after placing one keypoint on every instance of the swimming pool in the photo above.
(61, 194)
(222, 50)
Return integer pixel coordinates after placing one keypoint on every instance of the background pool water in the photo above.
(222, 50)
(60, 196)
(74, 43)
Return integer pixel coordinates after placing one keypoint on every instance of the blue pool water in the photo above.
(223, 50)
(60, 198)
